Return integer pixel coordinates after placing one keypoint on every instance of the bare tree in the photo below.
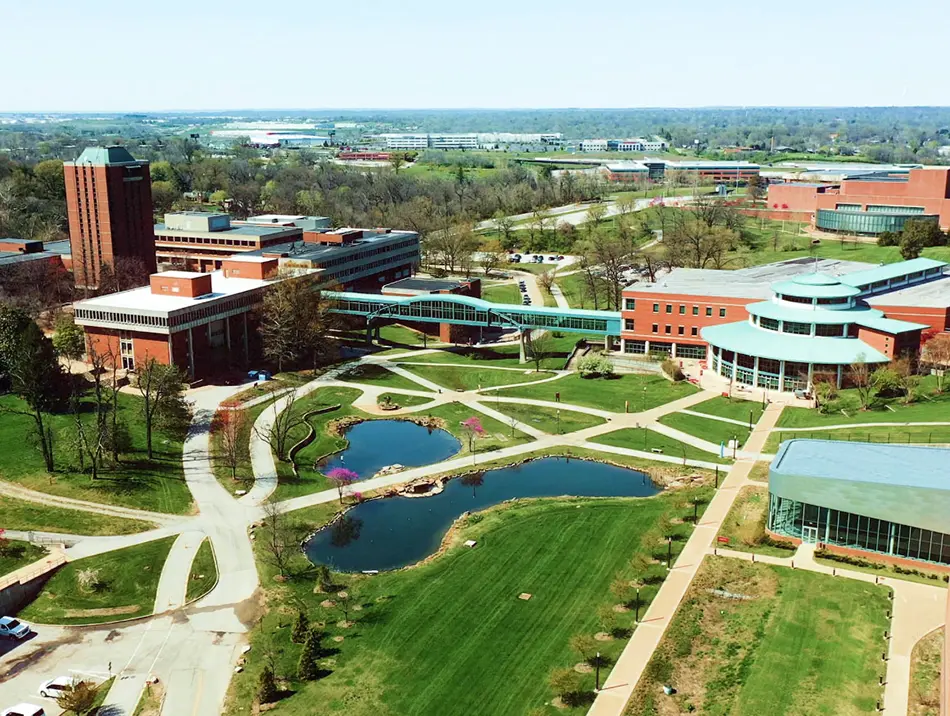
(277, 435)
(162, 388)
(936, 353)
(505, 225)
(860, 375)
(691, 242)
(278, 539)
(595, 214)
(539, 344)
(233, 428)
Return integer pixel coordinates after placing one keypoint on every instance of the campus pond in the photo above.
(375, 444)
(393, 532)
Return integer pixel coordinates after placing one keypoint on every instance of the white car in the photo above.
(24, 710)
(54, 688)
(13, 628)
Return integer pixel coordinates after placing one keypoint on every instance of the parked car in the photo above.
(54, 688)
(14, 628)
(24, 710)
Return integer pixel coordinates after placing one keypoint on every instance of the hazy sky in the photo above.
(171, 54)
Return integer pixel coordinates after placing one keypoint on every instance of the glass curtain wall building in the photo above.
(889, 499)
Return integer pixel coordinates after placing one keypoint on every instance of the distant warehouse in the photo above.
(890, 499)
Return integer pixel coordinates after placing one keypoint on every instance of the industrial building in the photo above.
(888, 499)
(870, 203)
(419, 142)
(699, 171)
(109, 206)
(782, 325)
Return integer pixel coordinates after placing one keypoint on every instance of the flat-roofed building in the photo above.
(889, 499)
(202, 322)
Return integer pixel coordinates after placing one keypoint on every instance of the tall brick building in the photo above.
(109, 204)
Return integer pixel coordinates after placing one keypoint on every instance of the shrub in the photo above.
(595, 365)
(888, 238)
(672, 370)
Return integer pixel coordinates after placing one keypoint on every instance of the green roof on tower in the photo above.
(103, 156)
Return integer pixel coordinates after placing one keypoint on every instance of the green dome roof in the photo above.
(815, 285)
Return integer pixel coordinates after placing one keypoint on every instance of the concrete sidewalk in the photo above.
(613, 697)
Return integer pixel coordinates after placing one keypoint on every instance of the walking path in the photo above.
(720, 418)
(173, 582)
(612, 698)
(918, 609)
(860, 426)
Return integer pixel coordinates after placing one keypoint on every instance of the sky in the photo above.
(106, 55)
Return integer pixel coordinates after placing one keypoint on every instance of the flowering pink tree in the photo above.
(472, 430)
(342, 478)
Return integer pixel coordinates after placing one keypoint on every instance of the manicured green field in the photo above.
(377, 375)
(471, 378)
(550, 420)
(557, 350)
(806, 644)
(158, 485)
(732, 408)
(16, 554)
(846, 409)
(451, 637)
(898, 435)
(502, 293)
(714, 431)
(23, 515)
(760, 471)
(204, 572)
(497, 434)
(406, 401)
(642, 392)
(575, 290)
(400, 335)
(128, 580)
(647, 440)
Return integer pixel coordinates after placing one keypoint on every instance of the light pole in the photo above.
(597, 676)
(669, 553)
(636, 618)
(558, 421)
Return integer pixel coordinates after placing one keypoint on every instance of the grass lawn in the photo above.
(23, 515)
(760, 471)
(869, 563)
(128, 580)
(502, 293)
(847, 410)
(925, 675)
(150, 703)
(715, 431)
(158, 485)
(641, 391)
(16, 554)
(575, 290)
(458, 377)
(913, 435)
(324, 444)
(806, 645)
(646, 440)
(377, 375)
(497, 434)
(732, 408)
(744, 526)
(405, 401)
(550, 420)
(450, 636)
(204, 572)
(399, 335)
(506, 356)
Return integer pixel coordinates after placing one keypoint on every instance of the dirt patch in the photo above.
(582, 667)
(620, 608)
(339, 639)
(603, 636)
(104, 612)
(344, 624)
(558, 703)
(327, 604)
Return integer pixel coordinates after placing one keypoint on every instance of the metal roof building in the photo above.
(892, 499)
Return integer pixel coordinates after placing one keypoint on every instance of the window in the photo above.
(669, 308)
(127, 351)
(681, 330)
(656, 307)
(668, 329)
(802, 329)
(695, 310)
(830, 330)
(682, 310)
(693, 331)
(695, 352)
(722, 312)
(656, 327)
(630, 303)
(769, 324)
(634, 347)
(708, 310)
(628, 324)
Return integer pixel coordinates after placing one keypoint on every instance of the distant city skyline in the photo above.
(176, 56)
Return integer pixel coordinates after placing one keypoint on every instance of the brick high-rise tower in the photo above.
(109, 202)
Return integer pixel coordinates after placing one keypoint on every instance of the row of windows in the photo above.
(368, 266)
(203, 240)
(803, 329)
(198, 314)
(88, 314)
(682, 350)
(682, 309)
(668, 329)
(799, 519)
(366, 253)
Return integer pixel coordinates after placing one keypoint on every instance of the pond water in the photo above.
(375, 444)
(394, 532)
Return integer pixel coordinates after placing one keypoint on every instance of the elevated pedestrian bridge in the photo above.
(469, 311)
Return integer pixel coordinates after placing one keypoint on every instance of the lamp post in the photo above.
(669, 553)
(558, 421)
(636, 618)
(597, 676)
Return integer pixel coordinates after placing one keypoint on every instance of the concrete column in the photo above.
(781, 375)
(839, 376)
(247, 350)
(646, 348)
(191, 353)
(623, 345)
(890, 539)
(811, 370)
(755, 372)
(227, 334)
(522, 340)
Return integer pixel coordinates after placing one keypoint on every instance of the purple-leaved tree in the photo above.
(342, 478)
(472, 430)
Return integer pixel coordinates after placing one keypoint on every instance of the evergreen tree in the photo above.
(301, 628)
(307, 666)
(267, 686)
